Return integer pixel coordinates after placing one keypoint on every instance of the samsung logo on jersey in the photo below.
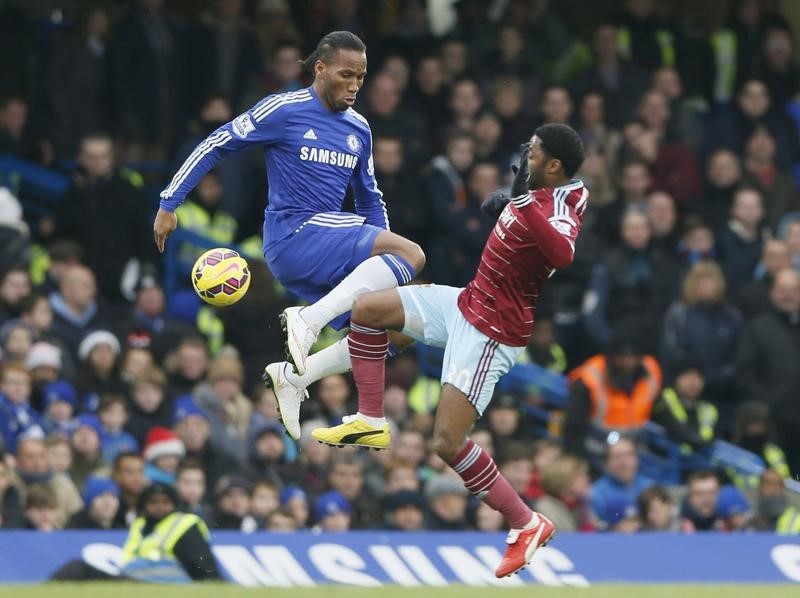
(323, 156)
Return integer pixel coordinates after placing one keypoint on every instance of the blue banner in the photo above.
(436, 559)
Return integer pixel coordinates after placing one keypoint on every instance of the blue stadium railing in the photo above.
(41, 189)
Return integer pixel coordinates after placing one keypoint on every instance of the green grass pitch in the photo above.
(127, 590)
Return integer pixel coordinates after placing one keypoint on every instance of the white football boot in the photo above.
(299, 337)
(288, 395)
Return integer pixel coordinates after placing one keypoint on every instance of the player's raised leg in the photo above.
(368, 342)
(455, 416)
(394, 261)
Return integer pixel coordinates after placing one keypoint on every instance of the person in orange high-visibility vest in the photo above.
(612, 390)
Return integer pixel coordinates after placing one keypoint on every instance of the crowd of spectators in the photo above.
(682, 306)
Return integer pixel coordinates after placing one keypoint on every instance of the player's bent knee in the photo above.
(416, 257)
(375, 310)
(413, 254)
(363, 310)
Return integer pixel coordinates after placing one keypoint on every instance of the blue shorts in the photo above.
(473, 362)
(319, 254)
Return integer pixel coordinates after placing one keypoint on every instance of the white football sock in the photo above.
(370, 275)
(375, 422)
(334, 359)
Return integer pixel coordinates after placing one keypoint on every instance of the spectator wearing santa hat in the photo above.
(163, 451)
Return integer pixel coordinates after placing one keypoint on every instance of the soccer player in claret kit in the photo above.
(483, 329)
(315, 146)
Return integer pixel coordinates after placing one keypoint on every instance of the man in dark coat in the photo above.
(768, 357)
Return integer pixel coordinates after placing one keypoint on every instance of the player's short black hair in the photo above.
(562, 143)
(330, 44)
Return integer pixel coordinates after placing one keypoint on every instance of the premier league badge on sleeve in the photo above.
(353, 143)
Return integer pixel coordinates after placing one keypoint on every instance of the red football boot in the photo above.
(522, 543)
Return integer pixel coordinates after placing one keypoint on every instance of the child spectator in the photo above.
(620, 515)
(190, 483)
(17, 417)
(162, 453)
(232, 510)
(733, 510)
(87, 460)
(295, 501)
(281, 520)
(265, 500)
(101, 500)
(59, 407)
(657, 512)
(40, 509)
(113, 415)
(333, 512)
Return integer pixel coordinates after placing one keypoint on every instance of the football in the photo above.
(220, 277)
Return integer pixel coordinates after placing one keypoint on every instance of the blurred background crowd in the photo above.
(682, 306)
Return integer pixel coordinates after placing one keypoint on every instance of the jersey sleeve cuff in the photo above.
(168, 206)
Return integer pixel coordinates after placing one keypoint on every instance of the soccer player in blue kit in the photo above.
(315, 146)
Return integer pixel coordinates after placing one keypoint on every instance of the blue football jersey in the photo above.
(312, 156)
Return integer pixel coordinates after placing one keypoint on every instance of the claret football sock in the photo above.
(368, 348)
(483, 479)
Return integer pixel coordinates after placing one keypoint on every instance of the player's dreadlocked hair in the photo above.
(328, 45)
(562, 143)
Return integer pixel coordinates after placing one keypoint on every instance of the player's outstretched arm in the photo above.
(261, 125)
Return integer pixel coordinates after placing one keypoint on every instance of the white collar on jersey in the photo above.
(573, 184)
